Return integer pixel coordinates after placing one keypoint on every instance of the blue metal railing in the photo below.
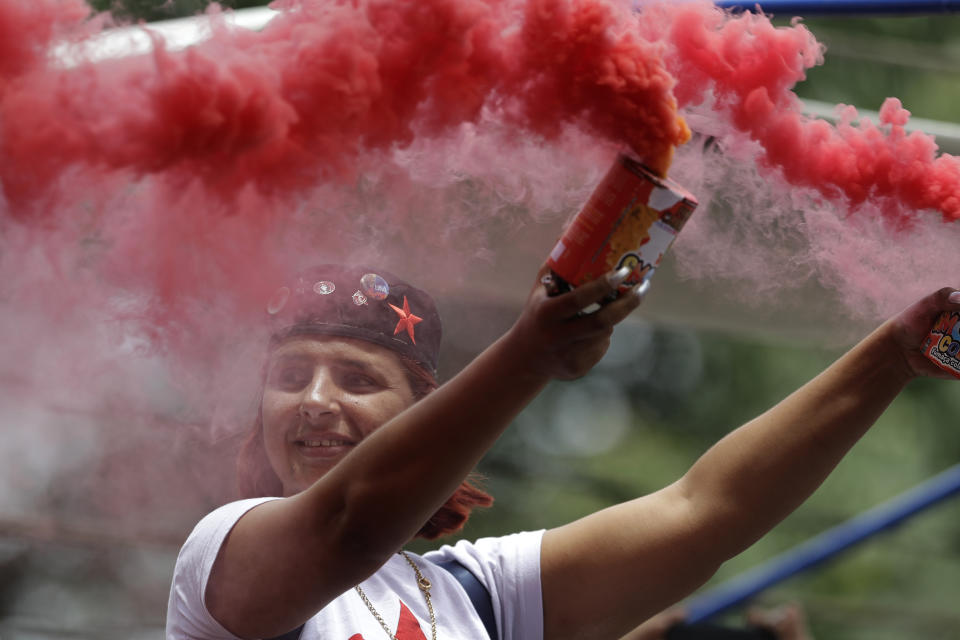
(824, 546)
(784, 8)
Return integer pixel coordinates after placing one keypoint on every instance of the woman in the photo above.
(363, 466)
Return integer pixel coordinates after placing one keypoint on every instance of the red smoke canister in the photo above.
(942, 345)
(631, 219)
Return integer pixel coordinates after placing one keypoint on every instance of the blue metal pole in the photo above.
(786, 8)
(824, 546)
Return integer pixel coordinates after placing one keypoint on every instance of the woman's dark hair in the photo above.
(256, 478)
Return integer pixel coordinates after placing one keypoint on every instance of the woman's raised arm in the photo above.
(607, 572)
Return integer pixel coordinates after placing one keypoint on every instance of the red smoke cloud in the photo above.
(182, 175)
(326, 81)
(178, 176)
(749, 68)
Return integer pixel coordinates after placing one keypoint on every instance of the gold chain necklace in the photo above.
(424, 585)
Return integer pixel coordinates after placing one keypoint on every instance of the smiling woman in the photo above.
(323, 396)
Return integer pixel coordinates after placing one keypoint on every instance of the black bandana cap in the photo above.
(364, 303)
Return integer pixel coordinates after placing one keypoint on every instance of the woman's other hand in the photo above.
(908, 330)
(563, 336)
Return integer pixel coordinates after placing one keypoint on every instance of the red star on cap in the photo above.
(407, 320)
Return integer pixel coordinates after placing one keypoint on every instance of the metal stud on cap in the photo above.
(324, 287)
(359, 299)
(374, 286)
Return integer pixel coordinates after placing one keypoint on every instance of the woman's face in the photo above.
(321, 398)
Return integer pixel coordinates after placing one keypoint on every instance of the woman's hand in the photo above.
(910, 327)
(555, 337)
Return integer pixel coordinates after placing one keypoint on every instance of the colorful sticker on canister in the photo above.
(942, 345)
(631, 219)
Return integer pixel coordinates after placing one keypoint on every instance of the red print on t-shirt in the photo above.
(407, 629)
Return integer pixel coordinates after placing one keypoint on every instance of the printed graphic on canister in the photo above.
(631, 219)
(942, 345)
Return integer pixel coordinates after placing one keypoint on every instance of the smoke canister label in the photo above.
(942, 345)
(631, 219)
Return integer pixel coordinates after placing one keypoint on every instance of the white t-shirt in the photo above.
(509, 567)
